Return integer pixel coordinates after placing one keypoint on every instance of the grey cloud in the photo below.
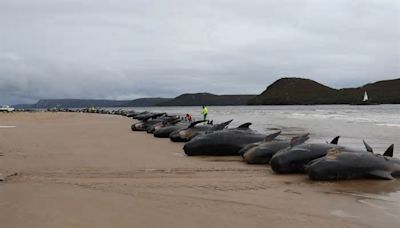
(129, 49)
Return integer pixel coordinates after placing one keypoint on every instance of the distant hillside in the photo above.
(83, 103)
(76, 103)
(198, 99)
(285, 91)
(146, 102)
(298, 91)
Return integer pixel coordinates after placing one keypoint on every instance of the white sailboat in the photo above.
(365, 101)
(365, 96)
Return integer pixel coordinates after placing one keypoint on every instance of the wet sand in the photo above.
(91, 170)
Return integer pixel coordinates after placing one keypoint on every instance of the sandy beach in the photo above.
(91, 170)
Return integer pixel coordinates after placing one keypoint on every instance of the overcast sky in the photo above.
(120, 49)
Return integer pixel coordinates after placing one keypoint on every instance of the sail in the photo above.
(365, 96)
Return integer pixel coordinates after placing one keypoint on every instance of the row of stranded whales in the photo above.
(148, 120)
(320, 161)
(263, 152)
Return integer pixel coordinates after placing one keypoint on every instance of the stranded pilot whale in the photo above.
(262, 153)
(225, 142)
(340, 164)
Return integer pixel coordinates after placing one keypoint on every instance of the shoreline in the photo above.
(85, 170)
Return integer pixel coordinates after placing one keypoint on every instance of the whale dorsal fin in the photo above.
(381, 174)
(272, 136)
(297, 140)
(335, 140)
(244, 126)
(389, 151)
(368, 147)
(195, 123)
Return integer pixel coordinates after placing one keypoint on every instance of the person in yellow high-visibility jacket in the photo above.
(204, 112)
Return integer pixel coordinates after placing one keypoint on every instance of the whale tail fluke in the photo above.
(272, 136)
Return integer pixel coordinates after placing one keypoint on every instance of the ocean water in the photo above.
(379, 125)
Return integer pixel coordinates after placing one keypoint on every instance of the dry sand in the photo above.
(91, 170)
